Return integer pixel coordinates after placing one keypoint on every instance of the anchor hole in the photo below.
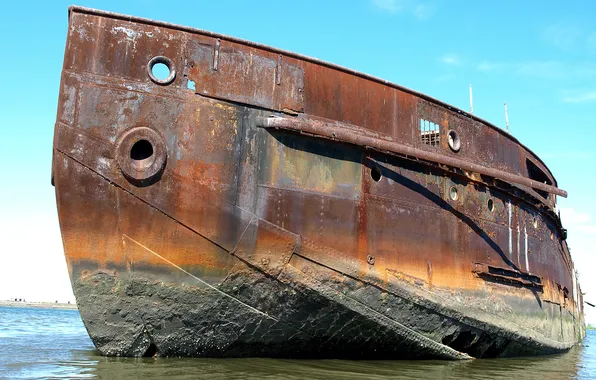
(141, 150)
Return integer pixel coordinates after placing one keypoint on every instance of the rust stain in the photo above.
(341, 181)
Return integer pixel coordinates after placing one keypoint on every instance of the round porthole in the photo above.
(453, 140)
(453, 193)
(161, 70)
(491, 205)
(141, 156)
(375, 174)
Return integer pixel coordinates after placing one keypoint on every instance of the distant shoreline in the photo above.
(40, 305)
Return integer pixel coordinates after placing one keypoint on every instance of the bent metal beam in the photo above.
(348, 134)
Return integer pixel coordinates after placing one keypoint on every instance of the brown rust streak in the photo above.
(292, 185)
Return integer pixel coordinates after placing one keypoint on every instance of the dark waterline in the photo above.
(45, 343)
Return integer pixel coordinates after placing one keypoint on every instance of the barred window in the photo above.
(429, 132)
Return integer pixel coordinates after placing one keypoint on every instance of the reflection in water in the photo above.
(37, 343)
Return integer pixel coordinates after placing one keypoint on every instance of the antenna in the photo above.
(506, 118)
(471, 101)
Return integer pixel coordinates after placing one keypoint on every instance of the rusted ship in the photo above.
(255, 202)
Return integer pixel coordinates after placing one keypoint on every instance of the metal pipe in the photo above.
(471, 101)
(506, 118)
(350, 134)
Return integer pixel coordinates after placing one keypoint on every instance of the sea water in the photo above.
(53, 344)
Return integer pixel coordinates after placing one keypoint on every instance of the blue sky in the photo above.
(538, 56)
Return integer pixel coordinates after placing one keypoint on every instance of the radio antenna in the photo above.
(506, 118)
(471, 101)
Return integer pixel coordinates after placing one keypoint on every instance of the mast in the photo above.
(506, 118)
(471, 101)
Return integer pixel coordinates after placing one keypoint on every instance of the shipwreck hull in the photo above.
(260, 203)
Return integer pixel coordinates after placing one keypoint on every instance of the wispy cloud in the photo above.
(444, 78)
(591, 42)
(451, 59)
(545, 69)
(391, 6)
(422, 11)
(577, 220)
(542, 69)
(486, 66)
(574, 155)
(579, 96)
(565, 36)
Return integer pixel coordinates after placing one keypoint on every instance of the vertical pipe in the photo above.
(471, 101)
(506, 118)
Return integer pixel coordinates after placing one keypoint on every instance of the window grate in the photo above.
(429, 133)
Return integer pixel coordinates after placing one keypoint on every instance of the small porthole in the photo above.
(535, 222)
(375, 174)
(454, 141)
(161, 70)
(491, 205)
(453, 193)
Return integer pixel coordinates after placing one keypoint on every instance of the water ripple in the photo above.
(53, 344)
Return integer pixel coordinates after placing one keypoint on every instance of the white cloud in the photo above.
(591, 42)
(570, 217)
(444, 78)
(544, 69)
(579, 96)
(568, 155)
(582, 243)
(422, 11)
(487, 66)
(577, 221)
(34, 267)
(391, 6)
(563, 36)
(589, 229)
(451, 59)
(541, 69)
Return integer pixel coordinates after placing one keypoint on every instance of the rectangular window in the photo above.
(429, 132)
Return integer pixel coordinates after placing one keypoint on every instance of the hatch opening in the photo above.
(536, 174)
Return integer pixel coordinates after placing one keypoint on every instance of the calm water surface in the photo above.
(44, 343)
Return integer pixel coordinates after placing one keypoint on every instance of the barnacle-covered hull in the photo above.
(254, 202)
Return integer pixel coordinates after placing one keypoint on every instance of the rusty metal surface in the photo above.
(218, 37)
(190, 230)
(342, 133)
